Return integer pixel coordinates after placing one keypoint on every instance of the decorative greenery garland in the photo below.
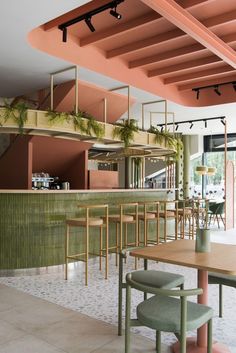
(86, 124)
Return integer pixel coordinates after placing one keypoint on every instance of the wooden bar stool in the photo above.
(185, 213)
(169, 211)
(121, 219)
(149, 215)
(86, 223)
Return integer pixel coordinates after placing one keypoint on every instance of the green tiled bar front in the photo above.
(32, 224)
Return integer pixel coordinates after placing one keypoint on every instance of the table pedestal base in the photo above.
(193, 348)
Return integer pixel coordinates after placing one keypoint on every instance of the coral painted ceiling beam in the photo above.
(135, 24)
(190, 64)
(221, 70)
(213, 21)
(185, 21)
(191, 49)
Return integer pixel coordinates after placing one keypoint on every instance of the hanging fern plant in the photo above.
(171, 142)
(18, 112)
(125, 131)
(93, 126)
(83, 122)
(57, 117)
(79, 122)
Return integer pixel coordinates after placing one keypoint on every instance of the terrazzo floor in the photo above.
(99, 299)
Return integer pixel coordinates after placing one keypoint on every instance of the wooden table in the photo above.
(221, 259)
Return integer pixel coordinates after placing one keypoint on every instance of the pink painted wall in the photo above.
(103, 179)
(16, 164)
(91, 100)
(59, 157)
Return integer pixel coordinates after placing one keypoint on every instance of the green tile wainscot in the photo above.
(32, 223)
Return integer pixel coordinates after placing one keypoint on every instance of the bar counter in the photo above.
(32, 222)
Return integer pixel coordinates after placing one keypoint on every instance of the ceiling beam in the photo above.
(191, 49)
(190, 64)
(135, 24)
(199, 74)
(145, 43)
(211, 82)
(185, 21)
(122, 28)
(213, 21)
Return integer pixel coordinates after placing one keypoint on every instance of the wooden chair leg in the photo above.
(117, 244)
(101, 249)
(66, 251)
(107, 250)
(86, 255)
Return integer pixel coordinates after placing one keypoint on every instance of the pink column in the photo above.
(202, 299)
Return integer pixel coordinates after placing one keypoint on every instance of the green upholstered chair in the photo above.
(164, 312)
(222, 280)
(152, 278)
(216, 212)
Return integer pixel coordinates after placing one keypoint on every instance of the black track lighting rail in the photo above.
(215, 87)
(88, 15)
(192, 122)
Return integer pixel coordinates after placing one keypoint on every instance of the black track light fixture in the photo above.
(89, 24)
(64, 35)
(176, 128)
(162, 128)
(216, 90)
(222, 121)
(88, 15)
(198, 93)
(115, 14)
(191, 125)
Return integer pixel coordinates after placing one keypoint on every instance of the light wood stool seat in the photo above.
(167, 214)
(87, 222)
(150, 213)
(125, 218)
(93, 222)
(169, 211)
(187, 211)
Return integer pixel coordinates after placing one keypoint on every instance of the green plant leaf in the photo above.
(125, 131)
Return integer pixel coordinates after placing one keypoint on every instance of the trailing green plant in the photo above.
(83, 122)
(170, 141)
(57, 117)
(125, 131)
(79, 122)
(17, 111)
(93, 126)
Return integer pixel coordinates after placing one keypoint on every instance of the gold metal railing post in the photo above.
(76, 86)
(152, 102)
(128, 90)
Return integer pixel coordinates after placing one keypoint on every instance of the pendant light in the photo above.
(201, 170)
